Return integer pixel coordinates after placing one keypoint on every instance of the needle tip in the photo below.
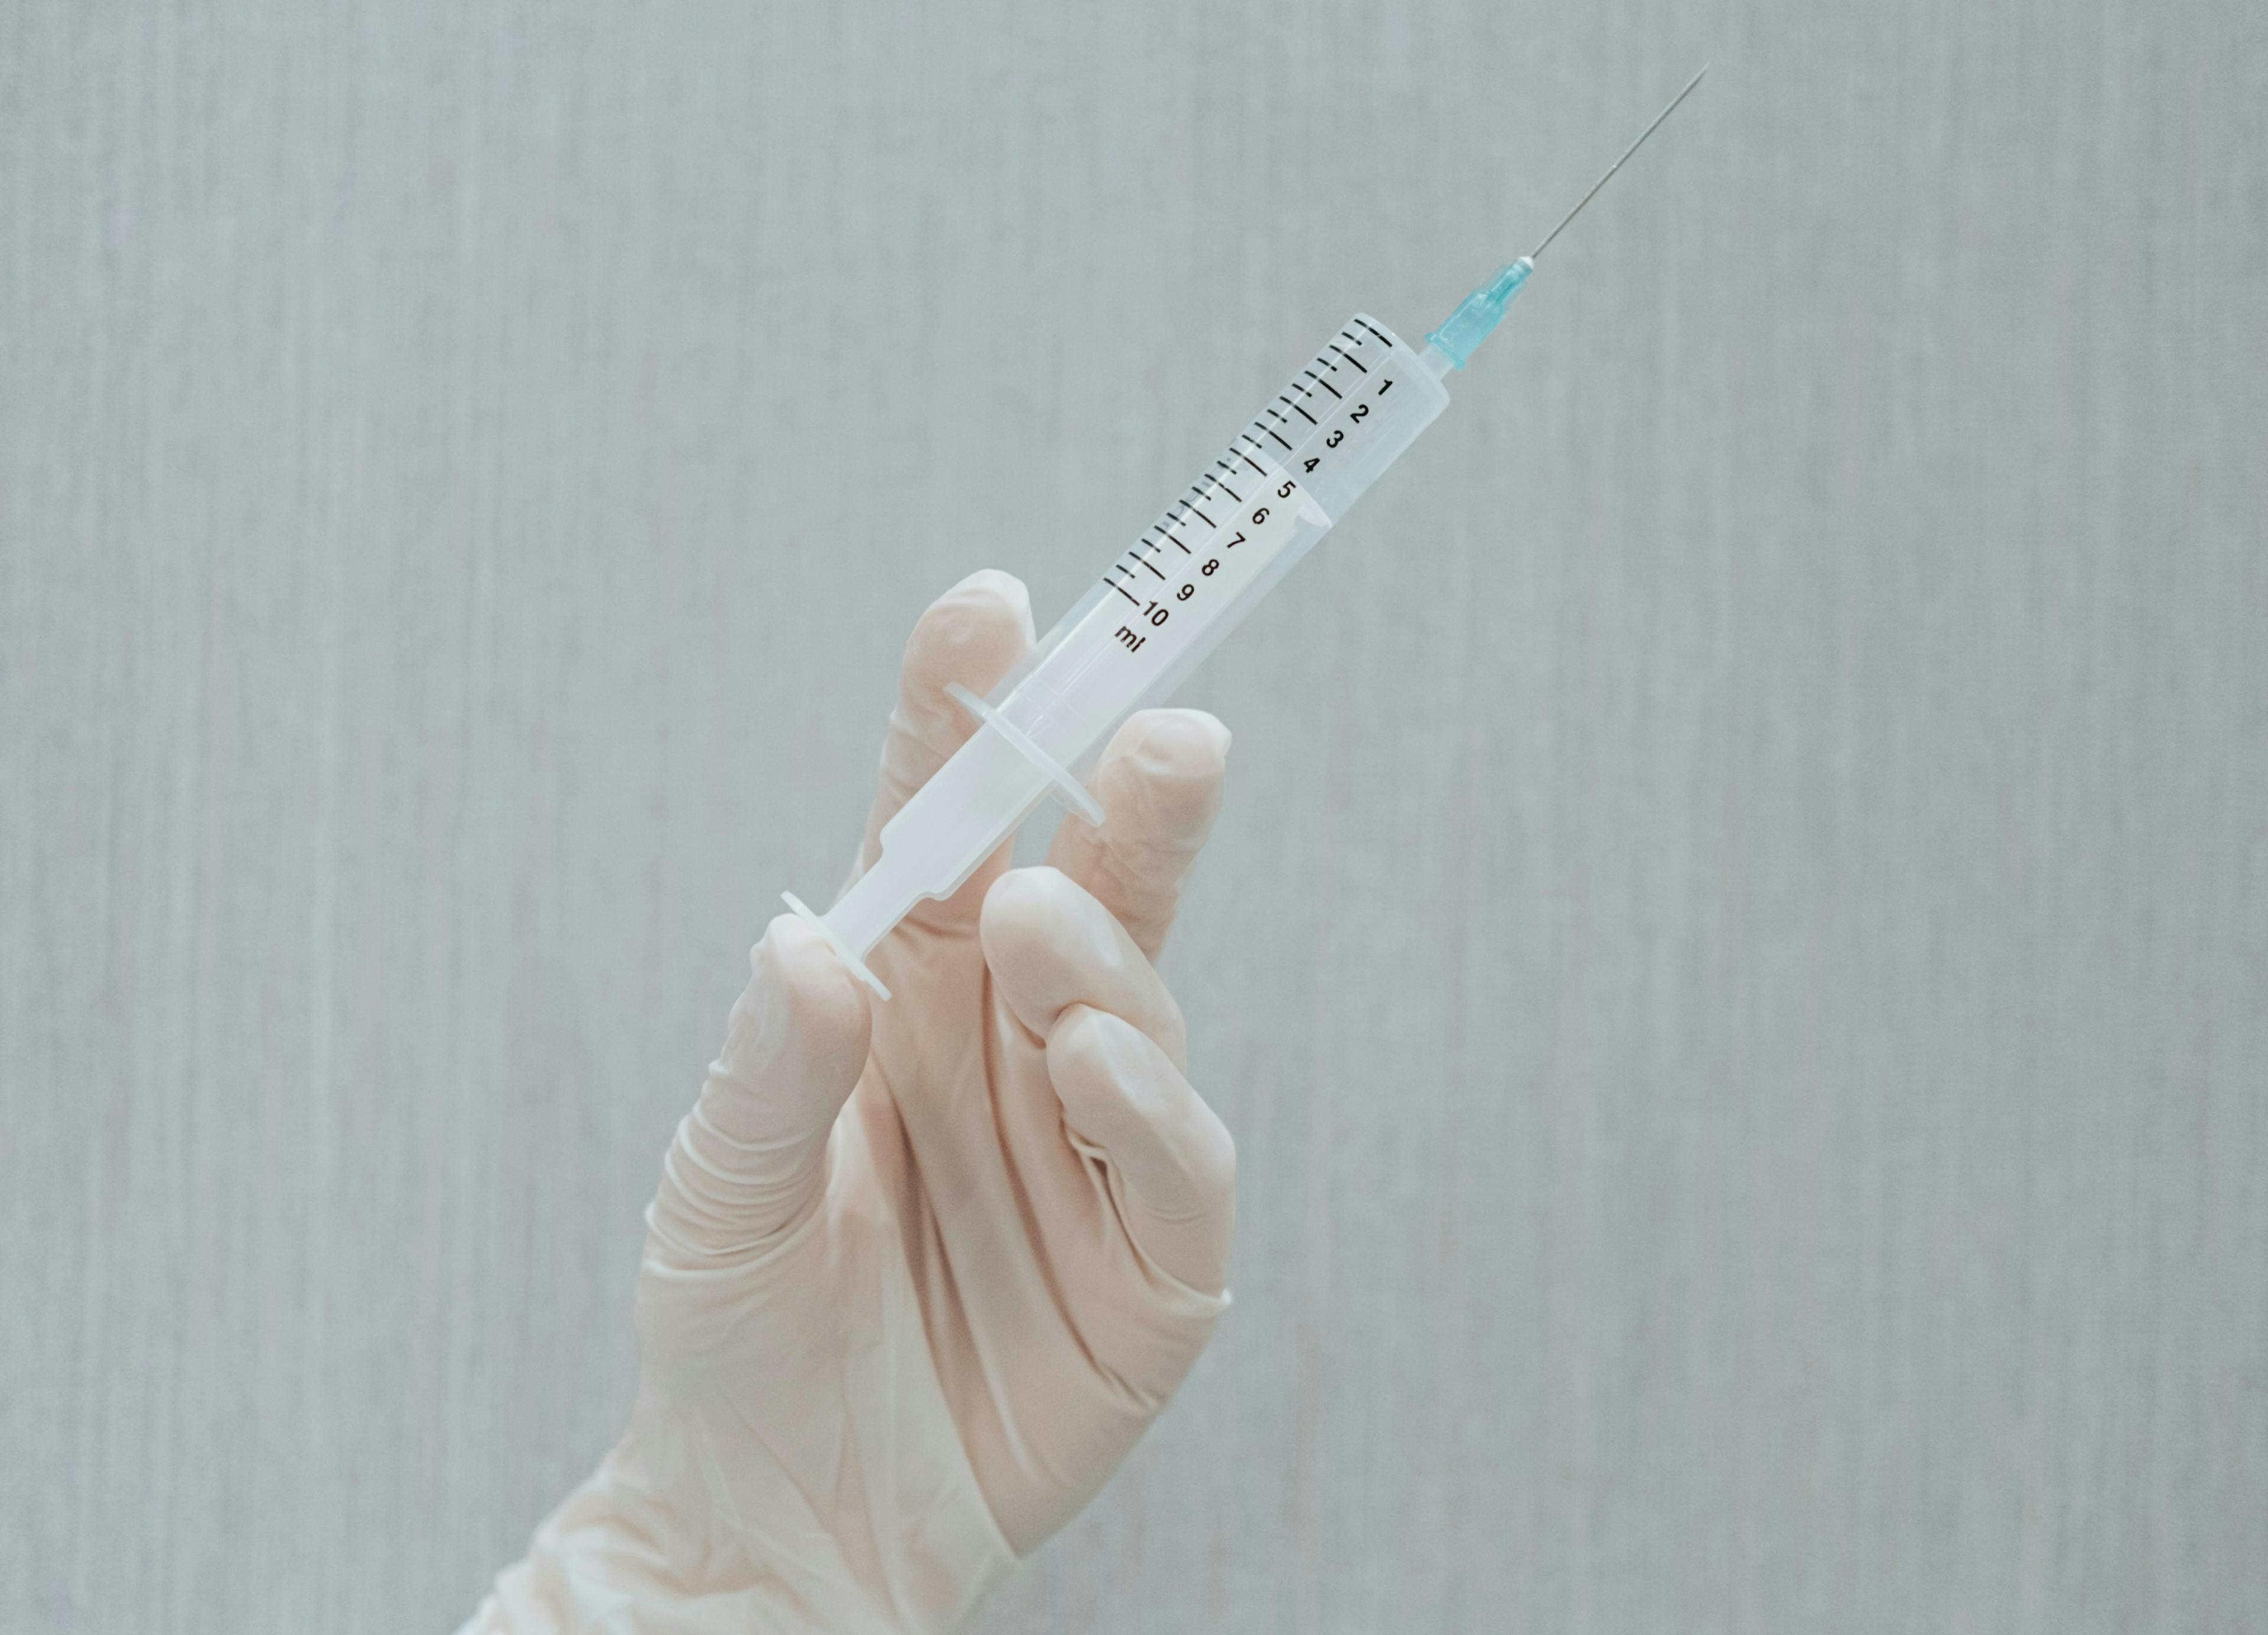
(1667, 111)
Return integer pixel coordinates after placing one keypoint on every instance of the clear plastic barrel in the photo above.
(1157, 610)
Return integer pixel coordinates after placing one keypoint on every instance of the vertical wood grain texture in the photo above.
(1737, 957)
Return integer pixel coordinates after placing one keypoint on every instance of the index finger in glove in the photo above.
(1160, 784)
(973, 634)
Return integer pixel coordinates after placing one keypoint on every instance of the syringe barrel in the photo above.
(1163, 605)
(1213, 555)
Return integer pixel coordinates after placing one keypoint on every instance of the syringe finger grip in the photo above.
(817, 921)
(1067, 790)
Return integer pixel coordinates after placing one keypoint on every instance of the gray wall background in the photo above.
(1737, 957)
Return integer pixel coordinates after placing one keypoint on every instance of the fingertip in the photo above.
(1025, 903)
(1039, 934)
(1049, 943)
(999, 588)
(974, 634)
(821, 1006)
(1161, 783)
(1175, 763)
(1185, 743)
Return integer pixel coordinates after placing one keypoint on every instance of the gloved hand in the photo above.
(919, 1273)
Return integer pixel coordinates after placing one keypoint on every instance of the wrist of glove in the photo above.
(918, 1274)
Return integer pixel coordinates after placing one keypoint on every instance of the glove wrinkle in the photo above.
(904, 1302)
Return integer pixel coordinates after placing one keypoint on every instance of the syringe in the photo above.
(1169, 598)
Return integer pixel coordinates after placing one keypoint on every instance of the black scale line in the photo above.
(1382, 341)
(1124, 591)
(1349, 357)
(1325, 385)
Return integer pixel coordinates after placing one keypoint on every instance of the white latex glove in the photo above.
(920, 1272)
